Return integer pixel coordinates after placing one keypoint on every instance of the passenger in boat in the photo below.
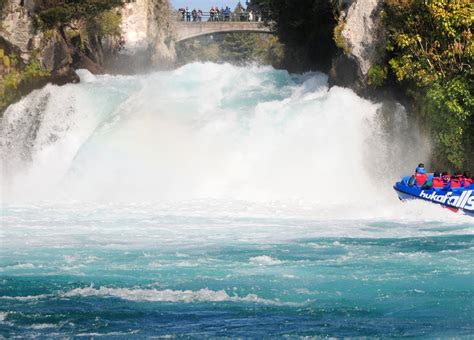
(467, 179)
(454, 183)
(420, 175)
(437, 180)
(446, 177)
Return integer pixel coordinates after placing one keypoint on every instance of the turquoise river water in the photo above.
(218, 201)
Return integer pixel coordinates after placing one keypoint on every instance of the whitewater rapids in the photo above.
(208, 131)
(221, 201)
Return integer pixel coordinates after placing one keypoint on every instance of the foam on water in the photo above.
(264, 260)
(217, 201)
(168, 295)
(205, 131)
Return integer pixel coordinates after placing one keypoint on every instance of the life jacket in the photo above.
(446, 179)
(455, 182)
(438, 182)
(421, 178)
(467, 182)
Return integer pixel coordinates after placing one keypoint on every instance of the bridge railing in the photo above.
(217, 17)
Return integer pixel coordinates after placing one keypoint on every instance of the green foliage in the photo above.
(11, 82)
(6, 61)
(13, 59)
(269, 50)
(108, 24)
(79, 37)
(339, 38)
(201, 49)
(377, 75)
(432, 52)
(306, 27)
(56, 15)
(430, 39)
(33, 70)
(239, 48)
(449, 107)
(8, 89)
(64, 11)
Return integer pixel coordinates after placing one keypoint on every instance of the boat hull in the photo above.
(455, 199)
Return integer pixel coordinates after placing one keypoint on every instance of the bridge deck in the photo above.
(186, 30)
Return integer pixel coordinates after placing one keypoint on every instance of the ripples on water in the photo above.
(200, 202)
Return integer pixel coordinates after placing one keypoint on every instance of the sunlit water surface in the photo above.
(221, 201)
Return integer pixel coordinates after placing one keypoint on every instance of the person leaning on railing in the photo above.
(214, 14)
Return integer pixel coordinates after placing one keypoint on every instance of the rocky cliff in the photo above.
(147, 37)
(59, 51)
(362, 38)
(144, 39)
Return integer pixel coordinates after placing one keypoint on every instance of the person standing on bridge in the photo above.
(250, 16)
(211, 14)
(188, 14)
(227, 14)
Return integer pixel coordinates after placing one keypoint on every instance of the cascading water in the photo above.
(262, 195)
(201, 131)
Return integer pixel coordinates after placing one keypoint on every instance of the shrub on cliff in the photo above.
(432, 53)
(64, 11)
(109, 24)
(377, 75)
(17, 78)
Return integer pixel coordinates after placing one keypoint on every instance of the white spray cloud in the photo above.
(201, 131)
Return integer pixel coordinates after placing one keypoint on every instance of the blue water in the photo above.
(218, 201)
(134, 272)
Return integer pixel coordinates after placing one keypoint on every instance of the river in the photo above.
(216, 200)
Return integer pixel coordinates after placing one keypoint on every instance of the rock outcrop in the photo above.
(147, 38)
(17, 28)
(146, 41)
(147, 31)
(53, 48)
(363, 38)
(363, 33)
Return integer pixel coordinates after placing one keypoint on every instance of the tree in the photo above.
(238, 48)
(62, 12)
(305, 27)
(432, 53)
(431, 40)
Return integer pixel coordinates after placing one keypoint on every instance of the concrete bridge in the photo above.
(187, 30)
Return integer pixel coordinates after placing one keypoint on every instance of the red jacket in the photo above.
(438, 182)
(467, 182)
(455, 182)
(421, 178)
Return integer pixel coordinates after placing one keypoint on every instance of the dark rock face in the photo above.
(64, 76)
(91, 58)
(57, 55)
(345, 73)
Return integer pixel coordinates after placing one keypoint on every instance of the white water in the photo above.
(213, 134)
